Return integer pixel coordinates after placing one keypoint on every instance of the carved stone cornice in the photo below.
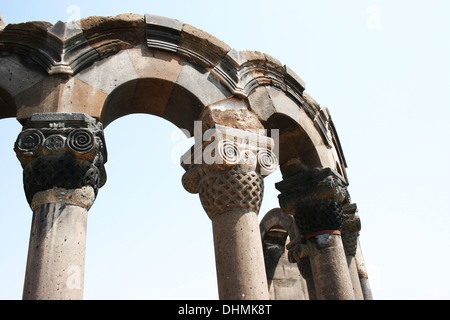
(61, 151)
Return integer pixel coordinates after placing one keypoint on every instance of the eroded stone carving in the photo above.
(315, 198)
(61, 150)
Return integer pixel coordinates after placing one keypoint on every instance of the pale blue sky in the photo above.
(381, 67)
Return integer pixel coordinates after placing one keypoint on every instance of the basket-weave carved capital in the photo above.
(61, 151)
(315, 198)
(237, 188)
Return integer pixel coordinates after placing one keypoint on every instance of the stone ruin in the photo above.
(66, 82)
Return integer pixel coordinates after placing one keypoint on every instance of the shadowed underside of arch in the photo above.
(109, 67)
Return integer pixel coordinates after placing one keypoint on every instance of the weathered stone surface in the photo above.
(111, 34)
(231, 113)
(261, 104)
(65, 31)
(287, 283)
(292, 78)
(79, 97)
(283, 104)
(329, 266)
(151, 96)
(83, 197)
(274, 63)
(163, 22)
(202, 84)
(56, 256)
(42, 97)
(221, 191)
(156, 64)
(119, 103)
(239, 258)
(106, 75)
(201, 47)
(58, 150)
(163, 33)
(18, 73)
(183, 108)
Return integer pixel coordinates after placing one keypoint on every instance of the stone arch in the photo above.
(108, 67)
(283, 277)
(102, 68)
(158, 83)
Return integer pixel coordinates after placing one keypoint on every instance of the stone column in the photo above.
(362, 273)
(62, 156)
(315, 199)
(350, 233)
(229, 180)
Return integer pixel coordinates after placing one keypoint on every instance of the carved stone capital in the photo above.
(315, 198)
(237, 188)
(59, 150)
(224, 148)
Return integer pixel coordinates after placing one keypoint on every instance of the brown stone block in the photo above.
(111, 34)
(207, 49)
(152, 96)
(183, 109)
(42, 97)
(231, 113)
(261, 104)
(119, 103)
(79, 97)
(156, 64)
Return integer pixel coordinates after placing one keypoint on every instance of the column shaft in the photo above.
(328, 263)
(232, 199)
(239, 256)
(55, 266)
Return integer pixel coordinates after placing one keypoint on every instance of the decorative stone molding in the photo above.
(315, 199)
(61, 150)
